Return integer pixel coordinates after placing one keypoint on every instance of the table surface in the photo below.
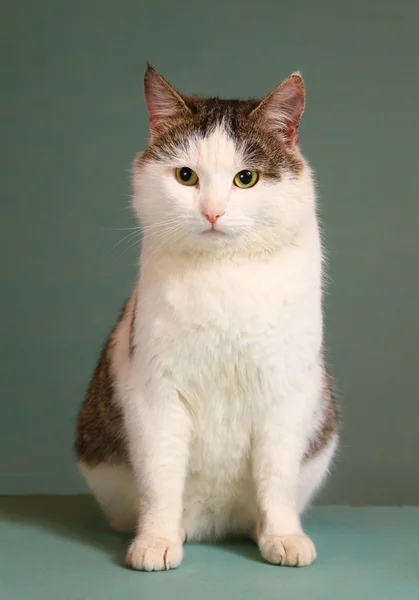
(59, 548)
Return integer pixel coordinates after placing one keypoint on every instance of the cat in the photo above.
(210, 413)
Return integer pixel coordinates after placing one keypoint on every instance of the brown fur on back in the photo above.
(100, 430)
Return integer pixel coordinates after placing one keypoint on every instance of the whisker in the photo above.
(169, 237)
(130, 236)
(162, 230)
(165, 222)
(168, 234)
(121, 228)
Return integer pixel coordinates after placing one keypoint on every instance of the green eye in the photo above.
(186, 176)
(246, 179)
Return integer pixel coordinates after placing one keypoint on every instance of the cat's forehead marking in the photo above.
(226, 136)
(215, 152)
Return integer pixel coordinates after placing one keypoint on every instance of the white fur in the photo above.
(224, 388)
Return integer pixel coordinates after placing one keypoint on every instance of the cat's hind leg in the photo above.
(114, 489)
(314, 473)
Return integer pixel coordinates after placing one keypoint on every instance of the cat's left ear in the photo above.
(164, 103)
(282, 109)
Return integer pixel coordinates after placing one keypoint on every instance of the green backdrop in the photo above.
(73, 119)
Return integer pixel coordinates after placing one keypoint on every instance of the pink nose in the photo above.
(212, 216)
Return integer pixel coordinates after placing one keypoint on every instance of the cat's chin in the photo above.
(215, 238)
(212, 239)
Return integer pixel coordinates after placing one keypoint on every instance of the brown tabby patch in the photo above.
(132, 327)
(100, 430)
(330, 421)
(263, 150)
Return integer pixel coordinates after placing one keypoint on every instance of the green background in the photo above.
(73, 118)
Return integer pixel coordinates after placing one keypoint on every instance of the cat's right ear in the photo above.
(163, 102)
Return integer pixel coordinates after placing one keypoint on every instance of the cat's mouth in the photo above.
(213, 232)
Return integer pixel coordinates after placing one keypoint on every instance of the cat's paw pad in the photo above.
(148, 553)
(295, 550)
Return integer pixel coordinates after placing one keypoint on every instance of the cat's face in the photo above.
(222, 175)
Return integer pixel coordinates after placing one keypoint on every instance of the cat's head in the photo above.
(223, 175)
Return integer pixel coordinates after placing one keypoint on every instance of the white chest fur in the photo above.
(216, 325)
(225, 334)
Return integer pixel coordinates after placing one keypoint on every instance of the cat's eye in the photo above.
(246, 179)
(186, 176)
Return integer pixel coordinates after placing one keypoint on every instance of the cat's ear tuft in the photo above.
(162, 100)
(282, 109)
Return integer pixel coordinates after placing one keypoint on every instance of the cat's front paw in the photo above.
(148, 553)
(295, 550)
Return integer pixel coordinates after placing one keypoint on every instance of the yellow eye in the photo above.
(186, 176)
(246, 179)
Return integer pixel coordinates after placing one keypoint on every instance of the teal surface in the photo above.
(73, 118)
(60, 549)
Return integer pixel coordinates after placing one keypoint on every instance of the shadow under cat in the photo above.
(77, 518)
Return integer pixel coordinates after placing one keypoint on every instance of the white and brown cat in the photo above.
(210, 413)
